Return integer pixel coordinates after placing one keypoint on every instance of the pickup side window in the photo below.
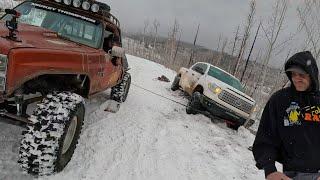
(200, 68)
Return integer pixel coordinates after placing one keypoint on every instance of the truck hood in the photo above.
(227, 86)
(37, 37)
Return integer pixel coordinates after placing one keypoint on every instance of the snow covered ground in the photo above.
(149, 138)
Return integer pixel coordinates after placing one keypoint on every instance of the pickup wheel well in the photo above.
(199, 89)
(45, 84)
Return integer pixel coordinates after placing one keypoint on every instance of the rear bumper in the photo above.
(221, 111)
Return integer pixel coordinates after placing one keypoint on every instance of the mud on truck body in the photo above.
(57, 52)
(216, 92)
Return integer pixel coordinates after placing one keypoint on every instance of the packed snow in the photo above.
(151, 137)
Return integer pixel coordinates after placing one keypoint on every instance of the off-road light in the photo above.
(86, 5)
(58, 1)
(95, 8)
(76, 3)
(67, 2)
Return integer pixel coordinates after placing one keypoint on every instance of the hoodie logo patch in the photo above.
(293, 115)
(311, 114)
(296, 115)
(308, 62)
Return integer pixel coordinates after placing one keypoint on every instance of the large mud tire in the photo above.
(120, 92)
(175, 83)
(194, 104)
(48, 145)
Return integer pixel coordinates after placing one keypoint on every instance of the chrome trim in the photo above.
(235, 101)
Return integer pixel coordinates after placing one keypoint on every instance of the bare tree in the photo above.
(236, 37)
(145, 27)
(177, 48)
(221, 55)
(194, 45)
(174, 36)
(272, 34)
(247, 61)
(309, 17)
(246, 35)
(217, 50)
(156, 25)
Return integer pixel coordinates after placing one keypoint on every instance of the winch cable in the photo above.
(250, 130)
(158, 94)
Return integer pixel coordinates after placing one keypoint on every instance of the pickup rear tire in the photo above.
(48, 145)
(120, 92)
(194, 104)
(175, 83)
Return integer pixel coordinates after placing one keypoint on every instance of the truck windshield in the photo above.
(71, 26)
(226, 78)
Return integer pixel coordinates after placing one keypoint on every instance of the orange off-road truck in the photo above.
(57, 52)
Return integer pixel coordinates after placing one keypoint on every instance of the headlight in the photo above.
(254, 109)
(3, 63)
(214, 88)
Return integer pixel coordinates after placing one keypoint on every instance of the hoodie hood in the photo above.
(306, 62)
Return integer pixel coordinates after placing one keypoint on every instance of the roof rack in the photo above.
(105, 11)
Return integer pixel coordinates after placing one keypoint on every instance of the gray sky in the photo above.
(215, 17)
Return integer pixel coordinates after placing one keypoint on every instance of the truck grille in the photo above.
(235, 101)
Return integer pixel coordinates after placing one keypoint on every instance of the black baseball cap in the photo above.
(296, 69)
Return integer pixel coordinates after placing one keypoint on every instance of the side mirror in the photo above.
(117, 52)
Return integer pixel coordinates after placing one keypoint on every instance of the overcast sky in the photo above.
(215, 17)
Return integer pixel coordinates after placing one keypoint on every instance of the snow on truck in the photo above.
(215, 91)
(63, 51)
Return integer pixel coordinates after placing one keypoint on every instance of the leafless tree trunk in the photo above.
(247, 31)
(177, 48)
(156, 25)
(310, 23)
(272, 35)
(194, 44)
(221, 55)
(146, 25)
(247, 61)
(217, 50)
(236, 37)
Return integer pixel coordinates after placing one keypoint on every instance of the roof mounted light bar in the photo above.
(84, 4)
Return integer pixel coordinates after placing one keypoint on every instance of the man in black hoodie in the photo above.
(289, 130)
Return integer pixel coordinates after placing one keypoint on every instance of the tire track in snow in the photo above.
(10, 136)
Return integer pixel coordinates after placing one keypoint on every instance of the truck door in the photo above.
(94, 68)
(111, 71)
(112, 67)
(193, 75)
